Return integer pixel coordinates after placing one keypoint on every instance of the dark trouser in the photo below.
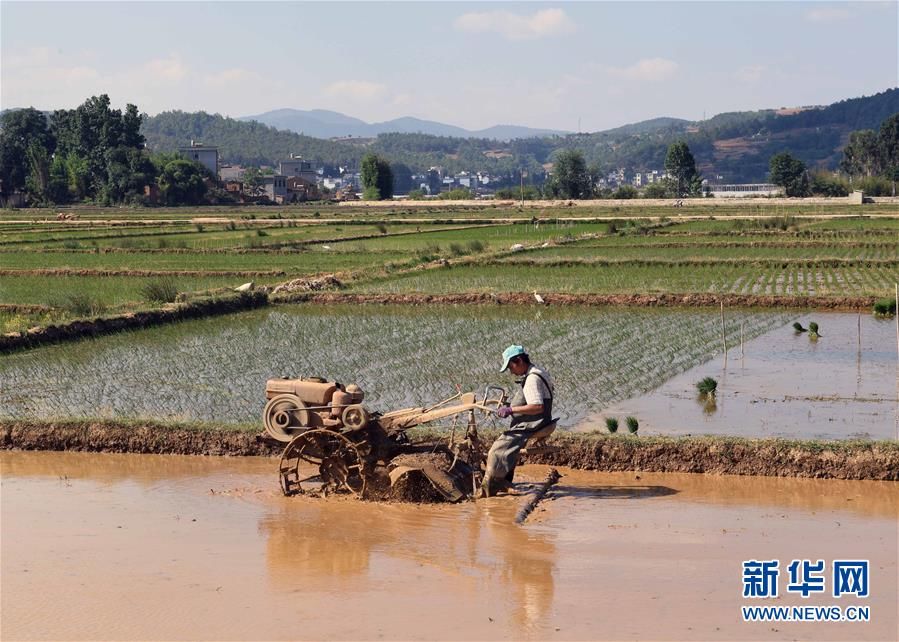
(503, 455)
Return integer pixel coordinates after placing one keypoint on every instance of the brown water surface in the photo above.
(98, 546)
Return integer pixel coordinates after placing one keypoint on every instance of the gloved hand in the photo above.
(504, 411)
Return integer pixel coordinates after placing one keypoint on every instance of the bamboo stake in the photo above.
(859, 330)
(896, 316)
(723, 334)
(742, 323)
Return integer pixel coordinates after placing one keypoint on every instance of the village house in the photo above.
(205, 155)
(275, 187)
(297, 167)
(300, 190)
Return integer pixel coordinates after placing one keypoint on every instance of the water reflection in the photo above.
(335, 547)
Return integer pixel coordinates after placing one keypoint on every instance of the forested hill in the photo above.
(736, 145)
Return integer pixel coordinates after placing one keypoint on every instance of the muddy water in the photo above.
(783, 384)
(161, 547)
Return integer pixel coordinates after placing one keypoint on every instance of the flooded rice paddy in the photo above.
(215, 369)
(783, 384)
(98, 546)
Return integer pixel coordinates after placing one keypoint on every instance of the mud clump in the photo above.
(326, 282)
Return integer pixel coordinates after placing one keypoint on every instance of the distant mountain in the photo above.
(320, 123)
(650, 126)
(736, 146)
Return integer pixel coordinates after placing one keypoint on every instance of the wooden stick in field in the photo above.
(723, 334)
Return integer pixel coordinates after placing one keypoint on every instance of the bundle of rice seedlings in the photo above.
(707, 387)
(813, 330)
(885, 307)
(632, 424)
(612, 424)
(798, 327)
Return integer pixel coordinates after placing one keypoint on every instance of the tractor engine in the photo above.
(296, 405)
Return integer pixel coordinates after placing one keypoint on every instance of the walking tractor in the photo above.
(335, 443)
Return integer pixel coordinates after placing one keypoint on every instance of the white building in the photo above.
(205, 155)
(743, 190)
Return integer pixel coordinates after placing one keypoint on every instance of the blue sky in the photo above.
(469, 64)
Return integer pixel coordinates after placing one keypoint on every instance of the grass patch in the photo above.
(162, 291)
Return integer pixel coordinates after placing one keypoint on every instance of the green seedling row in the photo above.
(215, 369)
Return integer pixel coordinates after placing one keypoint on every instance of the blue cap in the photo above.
(510, 353)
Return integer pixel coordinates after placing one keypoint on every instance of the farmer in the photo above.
(530, 409)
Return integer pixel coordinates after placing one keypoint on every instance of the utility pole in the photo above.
(521, 178)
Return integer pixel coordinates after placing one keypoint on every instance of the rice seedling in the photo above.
(707, 387)
(612, 424)
(632, 425)
(191, 370)
(885, 307)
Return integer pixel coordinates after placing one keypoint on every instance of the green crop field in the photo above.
(644, 279)
(215, 369)
(638, 249)
(311, 260)
(107, 291)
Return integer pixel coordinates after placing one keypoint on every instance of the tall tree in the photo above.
(377, 177)
(21, 130)
(570, 177)
(888, 148)
(790, 173)
(90, 133)
(861, 154)
(681, 168)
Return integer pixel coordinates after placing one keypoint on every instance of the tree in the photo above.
(625, 192)
(790, 173)
(252, 178)
(433, 181)
(888, 147)
(824, 184)
(570, 178)
(402, 178)
(681, 167)
(659, 189)
(99, 137)
(377, 178)
(24, 138)
(861, 154)
(181, 182)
